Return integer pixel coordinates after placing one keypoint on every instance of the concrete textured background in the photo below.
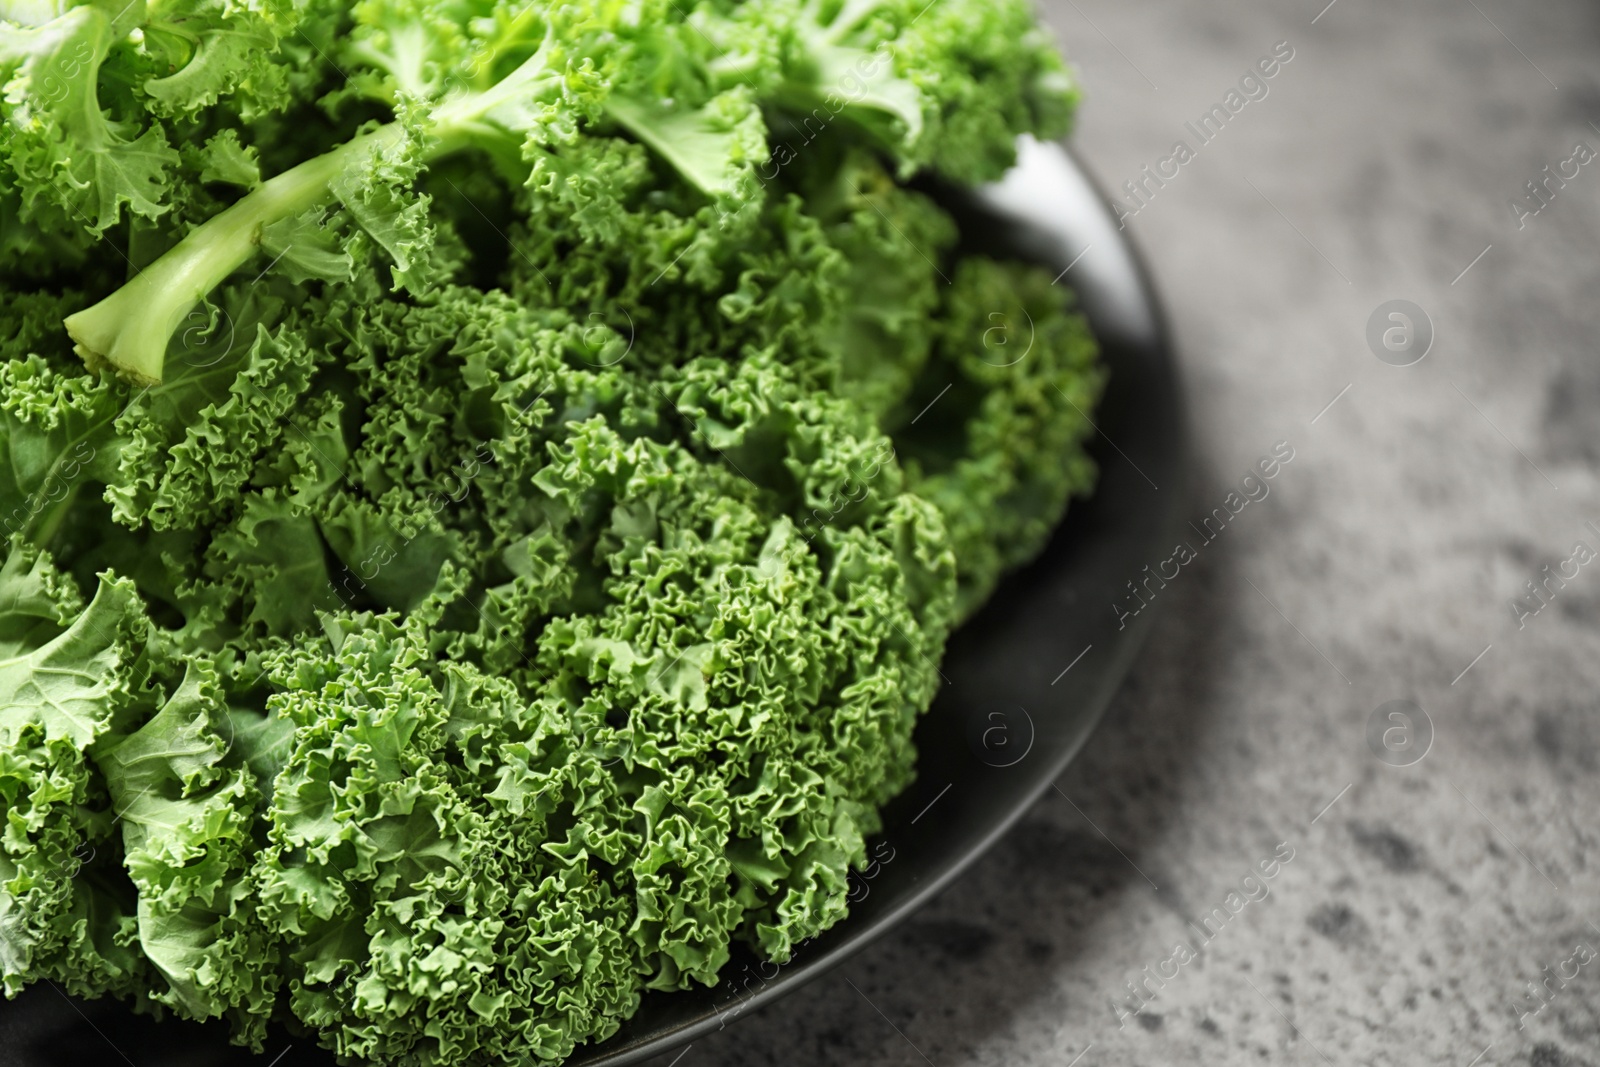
(1418, 907)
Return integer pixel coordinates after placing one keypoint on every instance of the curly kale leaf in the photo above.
(69, 673)
(186, 823)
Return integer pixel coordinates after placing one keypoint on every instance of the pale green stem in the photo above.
(131, 328)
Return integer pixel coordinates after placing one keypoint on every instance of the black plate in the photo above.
(1028, 678)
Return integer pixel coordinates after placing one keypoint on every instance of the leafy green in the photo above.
(64, 149)
(186, 822)
(481, 543)
(68, 673)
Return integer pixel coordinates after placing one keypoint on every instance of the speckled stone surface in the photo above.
(1418, 907)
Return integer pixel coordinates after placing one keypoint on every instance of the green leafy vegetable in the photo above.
(487, 486)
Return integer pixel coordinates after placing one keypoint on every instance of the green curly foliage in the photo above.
(507, 572)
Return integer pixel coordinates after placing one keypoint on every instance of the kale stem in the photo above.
(130, 328)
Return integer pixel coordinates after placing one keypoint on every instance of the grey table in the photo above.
(1425, 898)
